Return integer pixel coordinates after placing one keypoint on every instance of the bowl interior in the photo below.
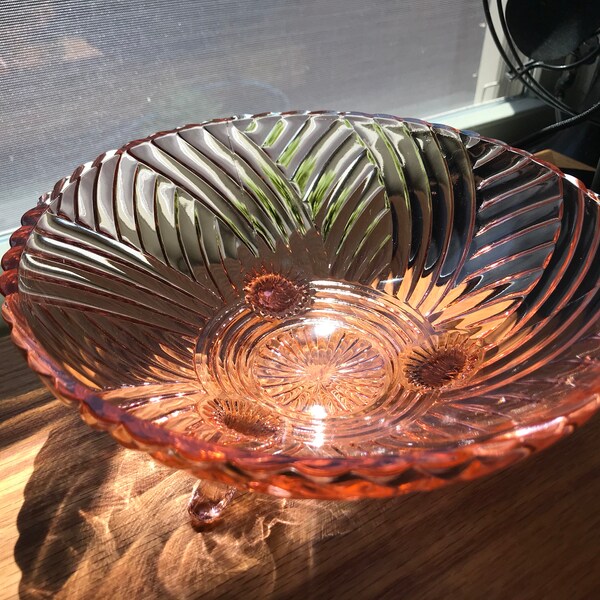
(320, 284)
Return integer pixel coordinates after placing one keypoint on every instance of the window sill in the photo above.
(507, 119)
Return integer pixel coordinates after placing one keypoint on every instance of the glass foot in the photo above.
(209, 500)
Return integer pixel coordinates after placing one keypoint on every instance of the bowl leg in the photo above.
(208, 501)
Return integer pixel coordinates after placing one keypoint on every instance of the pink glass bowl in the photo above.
(315, 304)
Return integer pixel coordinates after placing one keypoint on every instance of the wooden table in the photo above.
(82, 518)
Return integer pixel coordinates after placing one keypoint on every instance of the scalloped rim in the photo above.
(250, 466)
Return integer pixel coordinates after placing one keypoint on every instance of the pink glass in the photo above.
(316, 304)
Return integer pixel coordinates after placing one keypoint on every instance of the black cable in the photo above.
(534, 64)
(492, 28)
(526, 78)
(540, 91)
(570, 122)
(529, 82)
(507, 60)
(537, 88)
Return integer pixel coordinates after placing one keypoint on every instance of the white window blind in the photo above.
(79, 78)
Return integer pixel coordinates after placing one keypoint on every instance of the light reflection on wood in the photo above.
(117, 525)
(98, 521)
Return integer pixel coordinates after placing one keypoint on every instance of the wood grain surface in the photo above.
(82, 518)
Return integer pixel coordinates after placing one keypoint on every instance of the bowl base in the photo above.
(207, 503)
(352, 361)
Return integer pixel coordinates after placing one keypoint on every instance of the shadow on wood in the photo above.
(101, 521)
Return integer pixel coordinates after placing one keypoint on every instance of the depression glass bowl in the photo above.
(328, 305)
